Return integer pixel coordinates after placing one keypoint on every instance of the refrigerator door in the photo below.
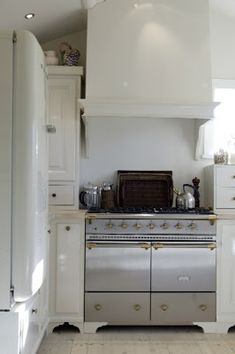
(5, 169)
(29, 192)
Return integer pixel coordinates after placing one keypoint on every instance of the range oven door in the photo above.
(183, 266)
(117, 266)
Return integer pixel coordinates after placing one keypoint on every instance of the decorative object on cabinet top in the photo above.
(69, 56)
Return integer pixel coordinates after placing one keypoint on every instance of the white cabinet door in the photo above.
(67, 272)
(62, 114)
(226, 271)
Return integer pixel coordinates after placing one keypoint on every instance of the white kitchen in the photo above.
(141, 122)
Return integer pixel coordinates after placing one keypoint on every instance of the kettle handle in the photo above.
(188, 185)
(82, 198)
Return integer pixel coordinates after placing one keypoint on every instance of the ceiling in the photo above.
(55, 18)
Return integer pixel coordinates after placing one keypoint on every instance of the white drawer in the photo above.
(61, 195)
(225, 198)
(225, 176)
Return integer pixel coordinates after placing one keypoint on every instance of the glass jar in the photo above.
(221, 157)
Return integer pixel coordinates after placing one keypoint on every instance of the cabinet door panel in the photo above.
(62, 115)
(226, 270)
(69, 278)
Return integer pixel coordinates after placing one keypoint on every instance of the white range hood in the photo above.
(142, 109)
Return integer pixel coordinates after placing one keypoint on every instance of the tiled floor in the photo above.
(139, 340)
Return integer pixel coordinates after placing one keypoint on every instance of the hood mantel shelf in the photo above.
(141, 109)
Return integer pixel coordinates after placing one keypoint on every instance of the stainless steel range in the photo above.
(153, 267)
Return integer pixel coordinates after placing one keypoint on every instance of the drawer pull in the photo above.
(35, 311)
(53, 195)
(156, 246)
(137, 307)
(233, 198)
(67, 228)
(90, 246)
(203, 307)
(164, 307)
(146, 246)
(98, 307)
(211, 246)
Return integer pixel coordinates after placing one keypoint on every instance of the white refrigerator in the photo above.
(23, 167)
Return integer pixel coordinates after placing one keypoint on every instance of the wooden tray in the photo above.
(144, 189)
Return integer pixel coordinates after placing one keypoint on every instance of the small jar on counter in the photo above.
(221, 157)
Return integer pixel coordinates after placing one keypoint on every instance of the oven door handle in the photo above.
(144, 245)
(211, 246)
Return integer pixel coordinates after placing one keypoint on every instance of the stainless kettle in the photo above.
(189, 200)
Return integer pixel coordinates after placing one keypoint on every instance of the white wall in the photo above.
(152, 144)
(222, 34)
(159, 52)
(77, 40)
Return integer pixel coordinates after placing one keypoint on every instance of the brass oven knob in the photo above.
(164, 307)
(124, 225)
(203, 307)
(137, 307)
(98, 307)
(192, 226)
(164, 226)
(109, 225)
(151, 226)
(137, 226)
(178, 226)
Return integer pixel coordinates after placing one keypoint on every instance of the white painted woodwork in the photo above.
(61, 114)
(67, 271)
(61, 195)
(64, 89)
(226, 271)
(220, 188)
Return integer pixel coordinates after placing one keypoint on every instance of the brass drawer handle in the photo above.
(146, 246)
(137, 307)
(203, 307)
(98, 307)
(164, 307)
(156, 246)
(211, 246)
(90, 246)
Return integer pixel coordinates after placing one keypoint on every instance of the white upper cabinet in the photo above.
(64, 89)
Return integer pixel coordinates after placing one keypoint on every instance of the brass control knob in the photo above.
(137, 226)
(151, 226)
(124, 225)
(164, 226)
(109, 225)
(192, 226)
(178, 226)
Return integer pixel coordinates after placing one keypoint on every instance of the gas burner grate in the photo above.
(117, 210)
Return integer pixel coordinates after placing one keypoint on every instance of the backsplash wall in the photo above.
(141, 144)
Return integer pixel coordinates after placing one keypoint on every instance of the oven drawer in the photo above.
(184, 266)
(176, 308)
(117, 266)
(118, 308)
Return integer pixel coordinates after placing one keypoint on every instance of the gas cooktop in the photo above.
(119, 210)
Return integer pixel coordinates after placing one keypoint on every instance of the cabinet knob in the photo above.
(203, 307)
(51, 128)
(164, 307)
(137, 307)
(98, 307)
(49, 231)
(35, 311)
(67, 228)
(53, 195)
